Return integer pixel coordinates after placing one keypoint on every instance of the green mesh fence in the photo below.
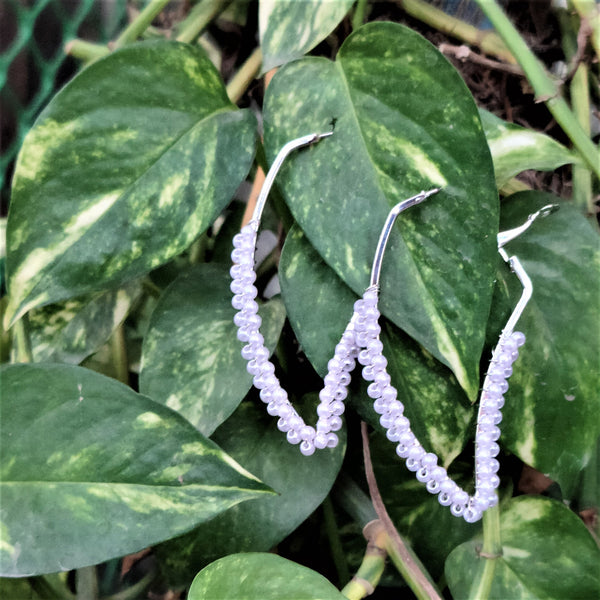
(33, 64)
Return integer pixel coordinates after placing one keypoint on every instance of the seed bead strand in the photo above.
(398, 429)
(248, 321)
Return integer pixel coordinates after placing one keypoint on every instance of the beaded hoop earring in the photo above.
(248, 321)
(398, 430)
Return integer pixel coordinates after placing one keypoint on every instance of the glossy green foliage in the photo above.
(319, 307)
(136, 156)
(191, 357)
(71, 330)
(395, 135)
(251, 437)
(289, 29)
(259, 576)
(547, 552)
(516, 149)
(91, 470)
(552, 405)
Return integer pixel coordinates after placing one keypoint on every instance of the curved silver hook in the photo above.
(515, 264)
(387, 229)
(305, 140)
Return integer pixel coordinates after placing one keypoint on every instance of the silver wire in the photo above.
(281, 156)
(387, 229)
(515, 264)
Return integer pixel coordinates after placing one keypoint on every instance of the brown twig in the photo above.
(463, 53)
(409, 564)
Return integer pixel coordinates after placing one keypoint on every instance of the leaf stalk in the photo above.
(140, 23)
(491, 552)
(544, 86)
(199, 18)
(86, 51)
(247, 72)
(489, 42)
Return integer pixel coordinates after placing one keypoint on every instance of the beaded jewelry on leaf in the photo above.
(398, 429)
(332, 396)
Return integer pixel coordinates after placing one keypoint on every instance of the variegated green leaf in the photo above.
(515, 149)
(319, 306)
(289, 29)
(191, 357)
(547, 552)
(71, 330)
(258, 576)
(552, 406)
(127, 165)
(91, 470)
(251, 437)
(395, 134)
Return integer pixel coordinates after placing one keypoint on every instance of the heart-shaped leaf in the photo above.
(547, 552)
(91, 470)
(127, 165)
(191, 357)
(395, 135)
(551, 412)
(515, 149)
(258, 576)
(289, 29)
(71, 330)
(319, 306)
(251, 437)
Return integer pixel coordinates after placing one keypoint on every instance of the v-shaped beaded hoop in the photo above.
(361, 340)
(398, 430)
(336, 381)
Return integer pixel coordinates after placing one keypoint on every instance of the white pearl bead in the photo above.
(429, 460)
(293, 437)
(423, 475)
(307, 448)
(307, 433)
(471, 515)
(335, 423)
(332, 440)
(320, 441)
(444, 499)
(518, 337)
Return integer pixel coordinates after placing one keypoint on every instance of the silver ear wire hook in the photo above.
(515, 264)
(306, 140)
(387, 229)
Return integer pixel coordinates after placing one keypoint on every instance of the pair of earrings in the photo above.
(360, 342)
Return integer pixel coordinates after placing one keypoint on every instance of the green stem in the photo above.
(372, 566)
(489, 42)
(491, 552)
(544, 86)
(86, 583)
(358, 18)
(86, 51)
(22, 341)
(582, 177)
(199, 18)
(247, 72)
(140, 23)
(333, 535)
(119, 354)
